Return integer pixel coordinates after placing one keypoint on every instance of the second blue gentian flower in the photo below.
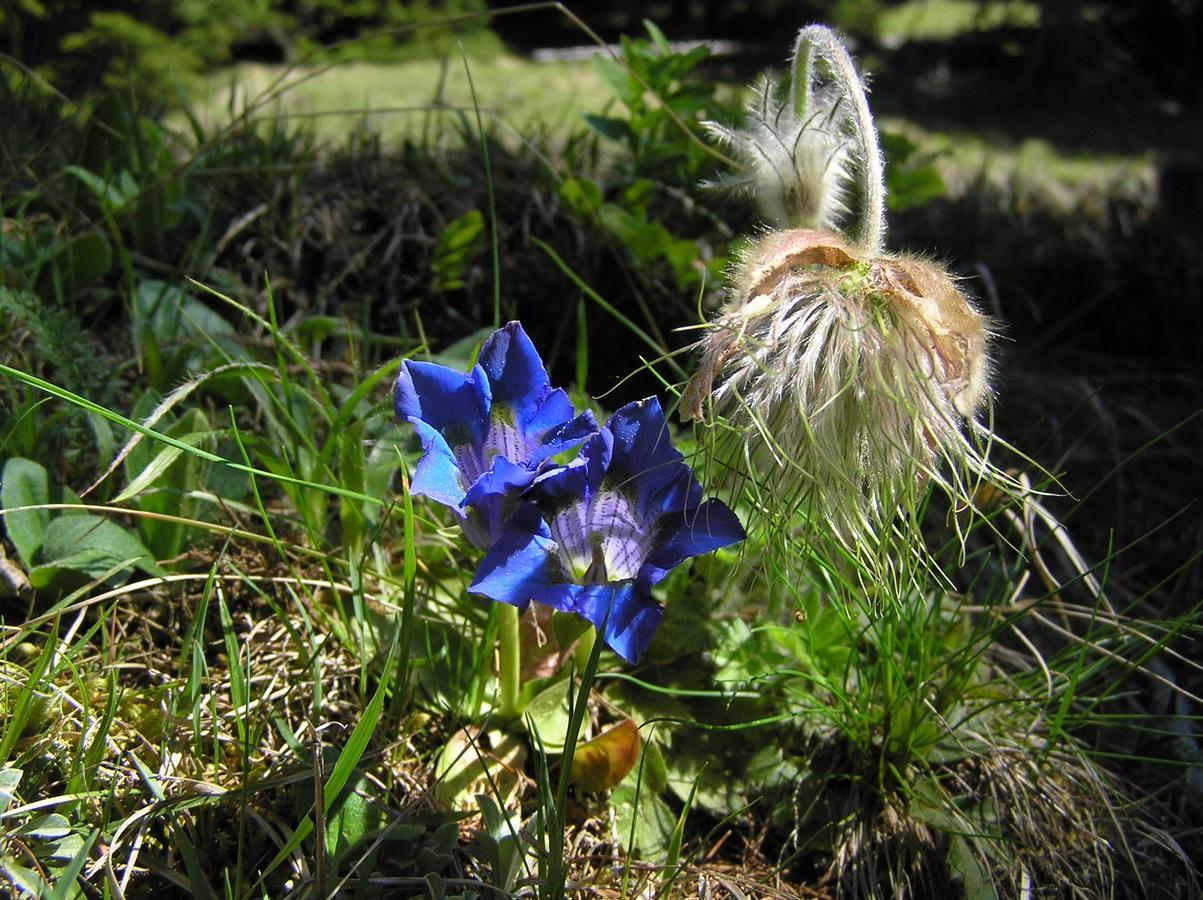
(606, 528)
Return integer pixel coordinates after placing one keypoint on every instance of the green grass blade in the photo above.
(65, 882)
(347, 761)
(115, 417)
(196, 872)
(661, 352)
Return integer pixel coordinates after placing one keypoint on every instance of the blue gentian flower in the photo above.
(486, 435)
(601, 531)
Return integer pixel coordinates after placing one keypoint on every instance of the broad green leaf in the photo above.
(10, 778)
(611, 129)
(159, 464)
(583, 195)
(547, 715)
(25, 483)
(23, 879)
(66, 847)
(657, 36)
(90, 545)
(352, 819)
(75, 264)
(912, 187)
(110, 192)
(47, 827)
(168, 313)
(65, 885)
(471, 764)
(615, 76)
(966, 867)
(643, 817)
(174, 472)
(689, 775)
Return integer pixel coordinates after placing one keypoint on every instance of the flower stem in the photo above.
(584, 647)
(509, 675)
(831, 49)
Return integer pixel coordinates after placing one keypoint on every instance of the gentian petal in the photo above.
(578, 480)
(451, 403)
(491, 499)
(516, 374)
(521, 561)
(549, 413)
(443, 398)
(623, 614)
(687, 533)
(624, 538)
(645, 462)
(504, 478)
(565, 495)
(437, 474)
(564, 434)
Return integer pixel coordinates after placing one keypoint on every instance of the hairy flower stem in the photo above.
(509, 674)
(871, 239)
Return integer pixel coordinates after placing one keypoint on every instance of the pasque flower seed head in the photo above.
(853, 372)
(857, 372)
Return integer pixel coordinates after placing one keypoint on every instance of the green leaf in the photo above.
(111, 193)
(75, 264)
(173, 472)
(618, 130)
(160, 463)
(617, 79)
(461, 240)
(501, 843)
(167, 313)
(10, 779)
(24, 879)
(47, 827)
(473, 763)
(657, 36)
(25, 483)
(352, 819)
(646, 820)
(582, 195)
(966, 867)
(91, 545)
(548, 715)
(65, 885)
(911, 187)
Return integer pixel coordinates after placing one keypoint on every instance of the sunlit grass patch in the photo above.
(935, 19)
(398, 101)
(962, 157)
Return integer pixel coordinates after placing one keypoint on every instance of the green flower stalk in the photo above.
(852, 376)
